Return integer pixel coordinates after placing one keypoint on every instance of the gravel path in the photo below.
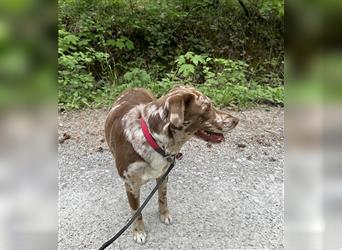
(229, 196)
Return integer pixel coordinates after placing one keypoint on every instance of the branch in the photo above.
(244, 7)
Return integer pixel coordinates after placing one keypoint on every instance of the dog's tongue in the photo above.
(210, 136)
(216, 137)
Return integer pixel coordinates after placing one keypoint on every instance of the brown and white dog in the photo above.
(172, 120)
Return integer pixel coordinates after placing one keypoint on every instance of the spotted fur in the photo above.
(172, 120)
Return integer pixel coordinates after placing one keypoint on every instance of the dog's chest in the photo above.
(155, 169)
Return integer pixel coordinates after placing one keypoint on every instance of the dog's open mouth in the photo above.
(210, 136)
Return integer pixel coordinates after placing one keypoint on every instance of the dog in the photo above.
(142, 132)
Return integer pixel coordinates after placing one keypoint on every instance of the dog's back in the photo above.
(114, 131)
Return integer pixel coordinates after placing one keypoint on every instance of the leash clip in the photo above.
(172, 158)
(179, 156)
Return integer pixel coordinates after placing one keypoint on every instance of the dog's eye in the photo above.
(186, 123)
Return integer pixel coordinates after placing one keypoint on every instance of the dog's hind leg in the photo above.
(139, 234)
(164, 212)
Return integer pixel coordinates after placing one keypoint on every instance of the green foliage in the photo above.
(137, 78)
(188, 62)
(225, 81)
(272, 6)
(77, 86)
(121, 43)
(233, 54)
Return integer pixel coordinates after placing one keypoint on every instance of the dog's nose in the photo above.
(235, 121)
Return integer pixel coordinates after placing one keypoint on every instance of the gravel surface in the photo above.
(228, 196)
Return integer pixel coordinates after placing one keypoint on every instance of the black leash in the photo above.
(137, 213)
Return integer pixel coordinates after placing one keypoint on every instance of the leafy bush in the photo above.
(76, 83)
(137, 77)
(225, 80)
(231, 51)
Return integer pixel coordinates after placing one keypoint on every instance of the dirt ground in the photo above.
(228, 196)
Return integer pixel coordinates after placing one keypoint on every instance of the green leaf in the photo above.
(111, 42)
(197, 58)
(71, 39)
(189, 55)
(120, 43)
(129, 44)
(180, 60)
(186, 69)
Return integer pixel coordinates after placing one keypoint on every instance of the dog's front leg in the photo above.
(164, 212)
(139, 234)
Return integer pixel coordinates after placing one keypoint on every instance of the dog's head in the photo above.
(190, 113)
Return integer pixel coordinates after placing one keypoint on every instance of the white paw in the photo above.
(166, 218)
(139, 237)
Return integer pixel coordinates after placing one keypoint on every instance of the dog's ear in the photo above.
(175, 105)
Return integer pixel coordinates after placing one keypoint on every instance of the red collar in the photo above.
(152, 142)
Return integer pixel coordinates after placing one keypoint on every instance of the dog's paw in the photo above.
(166, 218)
(139, 237)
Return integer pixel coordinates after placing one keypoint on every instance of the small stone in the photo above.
(272, 159)
(65, 137)
(99, 149)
